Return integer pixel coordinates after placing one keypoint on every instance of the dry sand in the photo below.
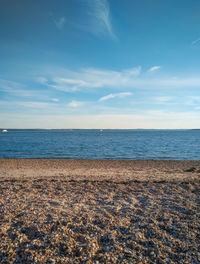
(88, 211)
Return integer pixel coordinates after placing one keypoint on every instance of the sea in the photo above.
(136, 144)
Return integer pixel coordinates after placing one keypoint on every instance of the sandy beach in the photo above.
(99, 211)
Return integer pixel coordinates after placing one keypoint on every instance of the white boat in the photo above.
(4, 130)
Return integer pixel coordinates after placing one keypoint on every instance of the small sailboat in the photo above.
(4, 130)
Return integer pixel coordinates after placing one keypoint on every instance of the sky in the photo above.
(100, 64)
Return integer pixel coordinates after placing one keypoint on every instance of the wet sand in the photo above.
(89, 211)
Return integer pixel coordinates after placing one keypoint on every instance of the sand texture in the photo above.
(81, 211)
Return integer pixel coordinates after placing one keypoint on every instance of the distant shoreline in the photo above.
(100, 128)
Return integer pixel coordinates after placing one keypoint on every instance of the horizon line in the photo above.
(100, 128)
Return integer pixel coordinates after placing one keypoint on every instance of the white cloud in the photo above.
(93, 78)
(33, 104)
(21, 90)
(163, 99)
(67, 84)
(133, 72)
(41, 80)
(118, 95)
(55, 99)
(27, 104)
(154, 68)
(75, 104)
(102, 15)
(16, 89)
(97, 18)
(7, 86)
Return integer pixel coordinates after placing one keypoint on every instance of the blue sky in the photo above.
(100, 64)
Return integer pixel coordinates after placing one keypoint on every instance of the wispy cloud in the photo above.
(196, 41)
(92, 78)
(71, 81)
(132, 72)
(68, 84)
(28, 104)
(193, 100)
(59, 22)
(6, 85)
(163, 99)
(97, 20)
(22, 90)
(154, 68)
(115, 95)
(16, 89)
(54, 99)
(102, 16)
(35, 104)
(41, 80)
(75, 104)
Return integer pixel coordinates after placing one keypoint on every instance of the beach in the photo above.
(99, 211)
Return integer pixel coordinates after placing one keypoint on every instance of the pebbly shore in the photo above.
(82, 211)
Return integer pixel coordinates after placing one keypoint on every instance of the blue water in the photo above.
(106, 144)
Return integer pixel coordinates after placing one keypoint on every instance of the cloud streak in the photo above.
(102, 16)
(154, 68)
(196, 41)
(75, 104)
(115, 95)
(97, 18)
(71, 81)
(59, 22)
(163, 99)
(22, 90)
(92, 78)
(54, 99)
(16, 89)
(28, 104)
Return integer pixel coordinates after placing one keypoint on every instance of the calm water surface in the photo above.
(97, 144)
